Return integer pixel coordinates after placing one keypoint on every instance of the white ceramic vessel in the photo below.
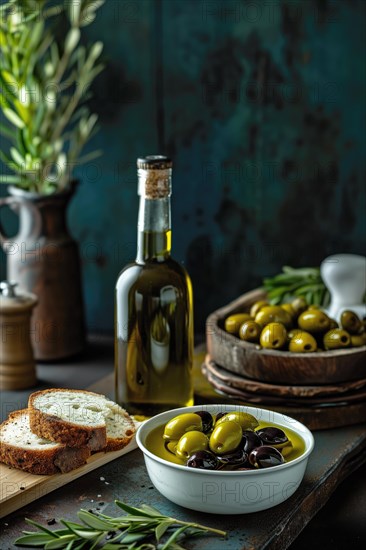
(345, 277)
(221, 492)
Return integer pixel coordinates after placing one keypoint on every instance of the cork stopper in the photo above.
(154, 172)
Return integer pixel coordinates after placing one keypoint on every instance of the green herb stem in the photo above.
(45, 83)
(145, 525)
(201, 527)
(305, 282)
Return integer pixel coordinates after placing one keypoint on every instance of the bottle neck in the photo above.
(154, 230)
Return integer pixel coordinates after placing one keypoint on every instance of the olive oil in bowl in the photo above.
(155, 443)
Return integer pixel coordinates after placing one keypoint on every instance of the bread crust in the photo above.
(41, 462)
(61, 431)
(115, 444)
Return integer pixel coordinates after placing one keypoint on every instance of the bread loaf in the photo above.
(79, 418)
(22, 449)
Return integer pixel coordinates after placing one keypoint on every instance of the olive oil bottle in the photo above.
(153, 307)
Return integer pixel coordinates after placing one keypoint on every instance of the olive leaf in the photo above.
(305, 282)
(44, 89)
(145, 525)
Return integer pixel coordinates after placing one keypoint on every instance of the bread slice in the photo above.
(78, 417)
(22, 449)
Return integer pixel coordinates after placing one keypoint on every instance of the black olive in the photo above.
(237, 457)
(265, 457)
(250, 441)
(207, 420)
(272, 436)
(205, 460)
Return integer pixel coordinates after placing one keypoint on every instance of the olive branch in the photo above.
(140, 528)
(44, 85)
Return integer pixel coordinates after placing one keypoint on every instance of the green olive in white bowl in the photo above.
(225, 492)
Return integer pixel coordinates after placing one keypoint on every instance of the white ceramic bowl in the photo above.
(227, 492)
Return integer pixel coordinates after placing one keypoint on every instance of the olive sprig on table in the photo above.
(140, 528)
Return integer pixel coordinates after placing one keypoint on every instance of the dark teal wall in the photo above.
(261, 105)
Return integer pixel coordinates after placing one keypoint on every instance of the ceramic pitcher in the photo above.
(44, 259)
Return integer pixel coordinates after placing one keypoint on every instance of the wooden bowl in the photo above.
(281, 367)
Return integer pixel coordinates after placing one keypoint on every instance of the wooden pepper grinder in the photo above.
(17, 365)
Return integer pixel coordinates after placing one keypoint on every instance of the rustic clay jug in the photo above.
(43, 258)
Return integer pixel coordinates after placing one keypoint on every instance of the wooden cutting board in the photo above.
(18, 488)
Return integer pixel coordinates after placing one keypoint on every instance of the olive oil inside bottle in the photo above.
(154, 321)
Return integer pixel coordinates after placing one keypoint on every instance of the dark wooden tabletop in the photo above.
(336, 471)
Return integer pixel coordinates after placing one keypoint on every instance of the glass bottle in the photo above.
(153, 307)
